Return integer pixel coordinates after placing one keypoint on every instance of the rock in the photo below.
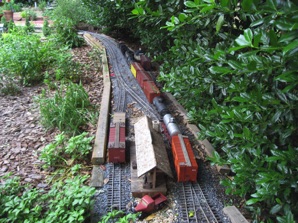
(4, 169)
(16, 151)
(35, 176)
(41, 185)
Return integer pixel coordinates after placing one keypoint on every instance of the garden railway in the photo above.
(191, 198)
(235, 79)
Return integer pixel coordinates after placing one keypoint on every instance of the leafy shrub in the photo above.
(24, 57)
(46, 30)
(67, 201)
(29, 28)
(42, 5)
(30, 14)
(73, 10)
(67, 110)
(66, 33)
(236, 78)
(62, 150)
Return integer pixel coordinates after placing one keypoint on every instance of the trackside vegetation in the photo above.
(233, 65)
(25, 61)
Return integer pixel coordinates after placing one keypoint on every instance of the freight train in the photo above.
(184, 160)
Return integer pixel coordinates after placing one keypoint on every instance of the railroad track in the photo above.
(194, 206)
(124, 76)
(193, 203)
(118, 193)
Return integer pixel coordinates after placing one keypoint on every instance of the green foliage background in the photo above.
(233, 65)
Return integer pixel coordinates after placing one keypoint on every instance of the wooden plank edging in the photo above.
(101, 136)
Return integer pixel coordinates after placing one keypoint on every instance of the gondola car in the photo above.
(116, 144)
(184, 159)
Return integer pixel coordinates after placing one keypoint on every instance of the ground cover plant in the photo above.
(25, 60)
(67, 201)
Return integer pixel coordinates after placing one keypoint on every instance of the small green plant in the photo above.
(29, 13)
(66, 110)
(42, 5)
(46, 30)
(9, 88)
(66, 33)
(29, 28)
(66, 152)
(119, 216)
(67, 201)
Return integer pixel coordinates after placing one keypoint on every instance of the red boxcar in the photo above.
(136, 68)
(151, 90)
(142, 76)
(184, 159)
(116, 145)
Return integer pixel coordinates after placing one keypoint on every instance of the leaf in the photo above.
(248, 35)
(242, 42)
(276, 116)
(219, 23)
(252, 201)
(135, 11)
(247, 133)
(246, 5)
(224, 3)
(235, 65)
(150, 217)
(207, 8)
(182, 17)
(290, 47)
(220, 70)
(191, 4)
(239, 99)
(191, 214)
(257, 22)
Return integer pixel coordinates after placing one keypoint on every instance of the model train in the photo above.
(184, 160)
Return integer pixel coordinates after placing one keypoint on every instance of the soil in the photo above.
(22, 136)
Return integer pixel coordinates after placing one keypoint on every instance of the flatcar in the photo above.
(184, 159)
(116, 144)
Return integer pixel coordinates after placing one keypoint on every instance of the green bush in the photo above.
(66, 33)
(30, 14)
(46, 30)
(68, 109)
(73, 10)
(67, 201)
(24, 57)
(234, 69)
